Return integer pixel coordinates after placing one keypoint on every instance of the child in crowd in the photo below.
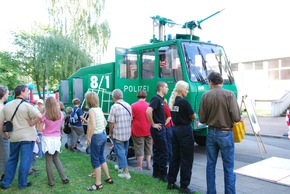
(51, 123)
(33, 158)
(62, 110)
(68, 144)
(40, 107)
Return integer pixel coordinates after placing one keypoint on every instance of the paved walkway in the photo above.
(246, 153)
(270, 126)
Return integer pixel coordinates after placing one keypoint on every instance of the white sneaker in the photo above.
(125, 175)
(120, 170)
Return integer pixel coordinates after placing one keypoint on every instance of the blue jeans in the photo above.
(40, 152)
(159, 151)
(216, 141)
(24, 149)
(121, 150)
(169, 131)
(183, 149)
(98, 142)
(5, 144)
(69, 139)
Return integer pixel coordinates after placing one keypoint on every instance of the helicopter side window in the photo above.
(165, 62)
(129, 67)
(148, 61)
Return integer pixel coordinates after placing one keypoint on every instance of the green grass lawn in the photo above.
(77, 167)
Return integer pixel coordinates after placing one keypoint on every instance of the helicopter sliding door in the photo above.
(78, 89)
(127, 73)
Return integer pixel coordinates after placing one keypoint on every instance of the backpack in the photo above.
(74, 118)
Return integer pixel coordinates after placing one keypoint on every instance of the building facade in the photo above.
(264, 81)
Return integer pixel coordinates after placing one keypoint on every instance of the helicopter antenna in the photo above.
(193, 24)
(161, 22)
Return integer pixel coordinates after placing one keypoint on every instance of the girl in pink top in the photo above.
(51, 124)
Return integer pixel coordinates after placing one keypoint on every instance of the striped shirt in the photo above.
(99, 118)
(121, 119)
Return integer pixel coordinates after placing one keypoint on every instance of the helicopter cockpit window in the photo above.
(128, 66)
(165, 62)
(198, 71)
(148, 61)
(201, 59)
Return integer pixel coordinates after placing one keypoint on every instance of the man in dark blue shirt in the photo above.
(156, 116)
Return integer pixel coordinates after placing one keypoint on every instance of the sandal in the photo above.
(139, 168)
(92, 175)
(95, 187)
(148, 167)
(109, 180)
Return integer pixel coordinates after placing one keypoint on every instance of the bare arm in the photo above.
(83, 119)
(111, 127)
(92, 124)
(192, 117)
(40, 126)
(149, 113)
(167, 120)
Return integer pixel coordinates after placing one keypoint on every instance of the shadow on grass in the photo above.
(77, 168)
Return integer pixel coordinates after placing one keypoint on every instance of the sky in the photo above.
(248, 30)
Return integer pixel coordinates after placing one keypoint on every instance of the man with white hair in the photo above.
(119, 119)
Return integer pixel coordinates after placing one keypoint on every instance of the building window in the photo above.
(285, 74)
(273, 64)
(285, 62)
(259, 65)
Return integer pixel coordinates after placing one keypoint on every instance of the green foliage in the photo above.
(80, 20)
(47, 56)
(10, 72)
(77, 167)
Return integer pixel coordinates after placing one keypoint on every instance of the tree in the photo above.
(80, 20)
(47, 57)
(10, 72)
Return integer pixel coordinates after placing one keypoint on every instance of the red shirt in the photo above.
(167, 114)
(140, 123)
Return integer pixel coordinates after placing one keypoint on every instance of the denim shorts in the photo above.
(98, 142)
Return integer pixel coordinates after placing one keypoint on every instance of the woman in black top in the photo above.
(182, 140)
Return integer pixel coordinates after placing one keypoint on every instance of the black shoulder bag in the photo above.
(124, 107)
(8, 125)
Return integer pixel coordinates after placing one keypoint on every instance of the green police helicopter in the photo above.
(166, 58)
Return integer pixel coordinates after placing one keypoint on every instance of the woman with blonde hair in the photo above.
(51, 124)
(96, 139)
(182, 139)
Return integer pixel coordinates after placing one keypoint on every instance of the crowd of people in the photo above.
(157, 128)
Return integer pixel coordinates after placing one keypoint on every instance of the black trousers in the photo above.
(159, 151)
(183, 153)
